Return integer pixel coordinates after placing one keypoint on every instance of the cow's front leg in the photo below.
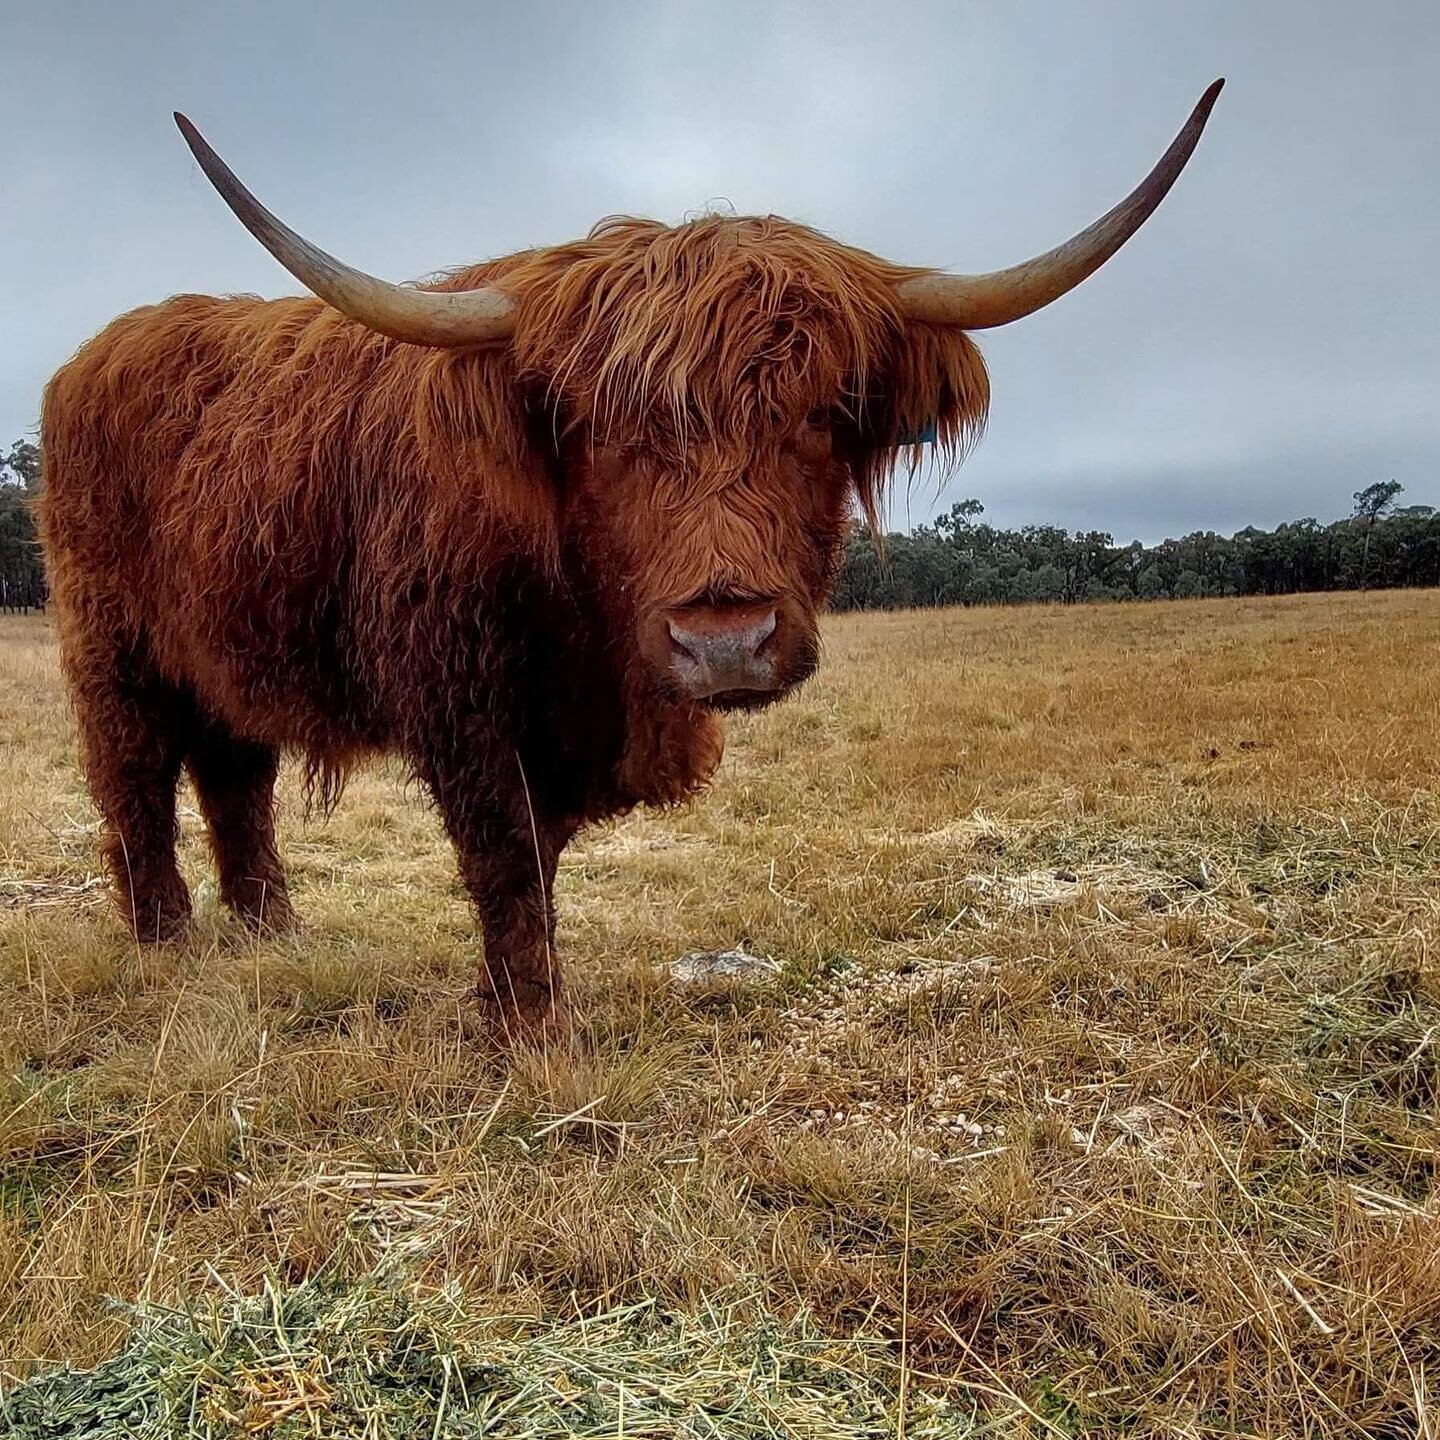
(513, 890)
(507, 857)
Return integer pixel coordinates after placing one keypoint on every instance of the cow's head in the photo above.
(723, 394)
(728, 390)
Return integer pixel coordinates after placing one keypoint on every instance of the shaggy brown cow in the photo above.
(531, 528)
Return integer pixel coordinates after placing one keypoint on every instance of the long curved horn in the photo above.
(423, 317)
(978, 302)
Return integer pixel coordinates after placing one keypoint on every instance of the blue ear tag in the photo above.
(927, 434)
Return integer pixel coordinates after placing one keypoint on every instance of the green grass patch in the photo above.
(377, 1360)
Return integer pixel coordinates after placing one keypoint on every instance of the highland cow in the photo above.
(531, 527)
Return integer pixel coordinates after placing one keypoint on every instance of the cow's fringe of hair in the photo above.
(730, 329)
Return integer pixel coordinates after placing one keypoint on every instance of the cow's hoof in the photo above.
(535, 1017)
(272, 921)
(161, 924)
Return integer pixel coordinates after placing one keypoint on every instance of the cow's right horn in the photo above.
(423, 317)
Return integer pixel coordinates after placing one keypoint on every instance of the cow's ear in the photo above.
(931, 399)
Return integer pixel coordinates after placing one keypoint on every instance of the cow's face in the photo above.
(717, 556)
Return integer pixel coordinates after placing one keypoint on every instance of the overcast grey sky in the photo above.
(1266, 345)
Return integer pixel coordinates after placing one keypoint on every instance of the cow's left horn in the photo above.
(978, 302)
(423, 317)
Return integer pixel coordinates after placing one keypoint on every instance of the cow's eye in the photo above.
(815, 439)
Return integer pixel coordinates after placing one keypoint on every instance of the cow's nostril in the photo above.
(682, 642)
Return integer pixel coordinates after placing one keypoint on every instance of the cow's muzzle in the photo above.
(722, 651)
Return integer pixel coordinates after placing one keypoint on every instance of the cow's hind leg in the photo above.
(133, 731)
(235, 783)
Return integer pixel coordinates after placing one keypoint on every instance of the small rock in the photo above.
(739, 963)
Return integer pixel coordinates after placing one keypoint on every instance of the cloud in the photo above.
(1266, 345)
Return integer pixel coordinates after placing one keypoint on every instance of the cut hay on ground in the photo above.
(369, 1361)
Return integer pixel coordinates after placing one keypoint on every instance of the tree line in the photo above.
(22, 574)
(962, 560)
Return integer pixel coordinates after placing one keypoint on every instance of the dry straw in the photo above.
(1102, 1065)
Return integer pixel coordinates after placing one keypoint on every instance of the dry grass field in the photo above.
(1099, 1084)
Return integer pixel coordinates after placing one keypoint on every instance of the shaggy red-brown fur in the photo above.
(270, 529)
